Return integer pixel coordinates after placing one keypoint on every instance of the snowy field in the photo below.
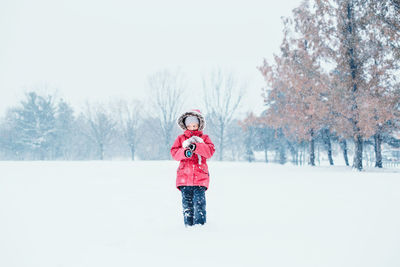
(123, 213)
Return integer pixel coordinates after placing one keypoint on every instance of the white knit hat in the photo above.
(191, 119)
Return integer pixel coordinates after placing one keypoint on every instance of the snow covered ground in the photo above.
(123, 213)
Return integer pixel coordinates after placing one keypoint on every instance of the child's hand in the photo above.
(191, 140)
(197, 139)
(187, 142)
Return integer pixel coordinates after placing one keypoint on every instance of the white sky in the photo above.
(99, 50)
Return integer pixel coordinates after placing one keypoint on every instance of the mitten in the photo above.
(197, 139)
(187, 142)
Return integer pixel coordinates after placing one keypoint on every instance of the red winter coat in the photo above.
(194, 170)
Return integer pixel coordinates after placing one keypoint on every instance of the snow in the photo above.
(120, 213)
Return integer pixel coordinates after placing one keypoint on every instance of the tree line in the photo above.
(43, 127)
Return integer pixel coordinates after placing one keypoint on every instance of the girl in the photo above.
(192, 149)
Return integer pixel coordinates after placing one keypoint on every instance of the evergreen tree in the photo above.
(35, 126)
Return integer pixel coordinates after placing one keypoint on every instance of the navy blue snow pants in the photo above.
(194, 204)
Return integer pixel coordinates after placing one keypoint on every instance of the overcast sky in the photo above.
(99, 50)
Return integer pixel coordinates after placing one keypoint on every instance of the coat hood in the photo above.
(193, 112)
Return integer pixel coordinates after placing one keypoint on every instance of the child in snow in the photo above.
(192, 149)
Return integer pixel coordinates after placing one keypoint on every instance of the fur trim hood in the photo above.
(193, 112)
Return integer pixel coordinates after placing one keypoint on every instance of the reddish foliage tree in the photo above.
(361, 39)
(297, 89)
(357, 43)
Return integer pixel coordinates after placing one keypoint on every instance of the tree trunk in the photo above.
(101, 148)
(328, 146)
(282, 148)
(330, 153)
(266, 155)
(378, 150)
(282, 154)
(293, 152)
(353, 68)
(295, 155)
(343, 144)
(132, 152)
(312, 148)
(167, 146)
(221, 143)
(358, 153)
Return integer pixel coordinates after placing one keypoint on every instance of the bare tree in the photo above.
(101, 127)
(167, 99)
(222, 97)
(128, 115)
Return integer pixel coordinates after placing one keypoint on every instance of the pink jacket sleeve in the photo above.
(177, 151)
(205, 149)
